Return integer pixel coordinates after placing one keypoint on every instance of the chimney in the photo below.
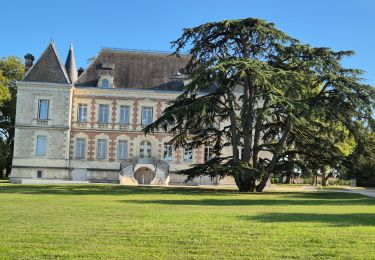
(80, 71)
(29, 60)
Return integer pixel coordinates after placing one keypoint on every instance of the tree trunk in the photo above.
(234, 132)
(287, 179)
(324, 176)
(263, 182)
(315, 180)
(10, 147)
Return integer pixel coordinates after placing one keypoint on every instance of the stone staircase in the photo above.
(129, 166)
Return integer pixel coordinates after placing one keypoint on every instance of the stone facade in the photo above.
(81, 136)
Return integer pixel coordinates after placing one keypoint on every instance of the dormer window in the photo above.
(105, 83)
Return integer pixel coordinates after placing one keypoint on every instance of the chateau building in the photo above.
(87, 125)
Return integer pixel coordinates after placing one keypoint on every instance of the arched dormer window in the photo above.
(105, 83)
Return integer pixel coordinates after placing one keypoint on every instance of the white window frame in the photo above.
(82, 113)
(43, 111)
(122, 149)
(147, 115)
(188, 154)
(103, 115)
(81, 148)
(168, 152)
(208, 153)
(101, 149)
(124, 115)
(41, 145)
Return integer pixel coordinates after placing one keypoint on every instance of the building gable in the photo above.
(48, 68)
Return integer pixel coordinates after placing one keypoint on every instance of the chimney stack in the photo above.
(80, 71)
(29, 60)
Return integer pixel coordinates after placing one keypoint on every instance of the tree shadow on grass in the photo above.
(352, 219)
(286, 199)
(225, 197)
(107, 189)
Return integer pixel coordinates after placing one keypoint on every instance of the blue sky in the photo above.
(29, 25)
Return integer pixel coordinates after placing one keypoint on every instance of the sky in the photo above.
(28, 26)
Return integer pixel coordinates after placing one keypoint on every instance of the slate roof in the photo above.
(136, 69)
(48, 68)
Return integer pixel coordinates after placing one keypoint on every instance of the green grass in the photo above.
(117, 222)
(342, 187)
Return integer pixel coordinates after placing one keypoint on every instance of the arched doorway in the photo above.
(145, 149)
(144, 175)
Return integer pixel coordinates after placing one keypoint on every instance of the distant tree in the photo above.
(275, 93)
(361, 164)
(321, 155)
(11, 69)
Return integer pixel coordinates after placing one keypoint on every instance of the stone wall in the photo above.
(54, 165)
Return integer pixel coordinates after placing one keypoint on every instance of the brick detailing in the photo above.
(161, 136)
(123, 98)
(112, 143)
(135, 114)
(198, 155)
(90, 146)
(114, 108)
(92, 119)
(160, 150)
(158, 109)
(112, 146)
(178, 153)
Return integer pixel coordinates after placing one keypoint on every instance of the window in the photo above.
(167, 151)
(124, 115)
(39, 174)
(103, 113)
(82, 113)
(145, 149)
(81, 148)
(43, 105)
(122, 150)
(208, 153)
(105, 83)
(41, 145)
(188, 154)
(101, 151)
(146, 115)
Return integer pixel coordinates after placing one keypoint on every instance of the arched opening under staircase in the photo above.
(144, 175)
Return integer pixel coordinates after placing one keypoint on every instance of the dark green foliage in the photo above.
(278, 100)
(361, 164)
(12, 70)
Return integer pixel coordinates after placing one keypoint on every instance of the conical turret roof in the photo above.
(70, 65)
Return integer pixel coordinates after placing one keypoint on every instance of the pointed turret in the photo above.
(70, 65)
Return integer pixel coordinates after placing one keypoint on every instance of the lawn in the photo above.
(113, 222)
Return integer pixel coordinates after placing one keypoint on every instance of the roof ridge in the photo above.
(139, 51)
